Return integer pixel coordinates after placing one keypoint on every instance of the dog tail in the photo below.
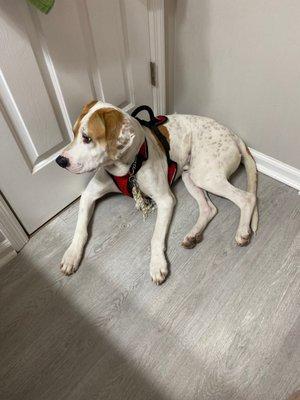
(251, 171)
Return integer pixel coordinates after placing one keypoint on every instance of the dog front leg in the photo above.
(71, 259)
(158, 263)
(95, 189)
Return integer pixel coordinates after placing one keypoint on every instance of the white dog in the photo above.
(108, 140)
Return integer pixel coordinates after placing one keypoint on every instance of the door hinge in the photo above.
(153, 73)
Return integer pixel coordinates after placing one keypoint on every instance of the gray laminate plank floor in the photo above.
(225, 325)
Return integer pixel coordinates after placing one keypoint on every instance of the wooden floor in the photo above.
(225, 325)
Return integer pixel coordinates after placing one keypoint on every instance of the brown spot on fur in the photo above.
(84, 111)
(295, 396)
(104, 127)
(191, 241)
(96, 127)
(165, 132)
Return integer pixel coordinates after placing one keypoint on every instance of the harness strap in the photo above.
(126, 182)
(153, 124)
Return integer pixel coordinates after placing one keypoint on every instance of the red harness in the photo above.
(125, 182)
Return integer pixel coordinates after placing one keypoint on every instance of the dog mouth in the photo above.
(79, 171)
(77, 167)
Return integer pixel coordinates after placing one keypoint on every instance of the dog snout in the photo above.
(62, 161)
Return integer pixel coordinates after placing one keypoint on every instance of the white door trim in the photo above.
(157, 52)
(7, 253)
(11, 227)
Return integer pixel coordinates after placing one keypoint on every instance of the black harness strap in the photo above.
(153, 125)
(126, 182)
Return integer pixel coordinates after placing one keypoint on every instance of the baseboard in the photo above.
(276, 169)
(7, 253)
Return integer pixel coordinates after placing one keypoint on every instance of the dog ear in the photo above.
(126, 136)
(84, 111)
(110, 127)
(115, 132)
(86, 108)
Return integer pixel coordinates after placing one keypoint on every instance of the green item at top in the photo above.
(43, 5)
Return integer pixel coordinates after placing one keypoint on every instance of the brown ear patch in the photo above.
(96, 127)
(104, 126)
(84, 111)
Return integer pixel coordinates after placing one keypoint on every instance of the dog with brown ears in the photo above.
(109, 141)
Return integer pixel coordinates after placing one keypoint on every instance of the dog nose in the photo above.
(62, 161)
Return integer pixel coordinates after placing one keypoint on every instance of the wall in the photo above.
(238, 61)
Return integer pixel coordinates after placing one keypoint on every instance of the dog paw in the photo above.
(70, 261)
(158, 271)
(189, 242)
(243, 240)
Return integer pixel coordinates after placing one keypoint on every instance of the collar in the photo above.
(125, 183)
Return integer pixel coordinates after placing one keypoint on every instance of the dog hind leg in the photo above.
(219, 185)
(207, 211)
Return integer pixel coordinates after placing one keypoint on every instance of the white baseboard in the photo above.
(276, 169)
(7, 253)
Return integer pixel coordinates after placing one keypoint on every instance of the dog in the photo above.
(107, 140)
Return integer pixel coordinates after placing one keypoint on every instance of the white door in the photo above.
(50, 65)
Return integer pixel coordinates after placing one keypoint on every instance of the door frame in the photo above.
(156, 16)
(9, 224)
(11, 227)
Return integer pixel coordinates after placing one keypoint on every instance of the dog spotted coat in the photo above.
(207, 153)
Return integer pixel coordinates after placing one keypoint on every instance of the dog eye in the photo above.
(86, 138)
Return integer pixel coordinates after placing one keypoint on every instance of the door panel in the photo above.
(50, 66)
(110, 52)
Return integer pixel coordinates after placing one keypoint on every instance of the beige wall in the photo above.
(238, 61)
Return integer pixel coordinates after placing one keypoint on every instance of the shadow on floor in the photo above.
(108, 333)
(49, 350)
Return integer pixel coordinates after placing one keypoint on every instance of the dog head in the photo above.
(102, 134)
